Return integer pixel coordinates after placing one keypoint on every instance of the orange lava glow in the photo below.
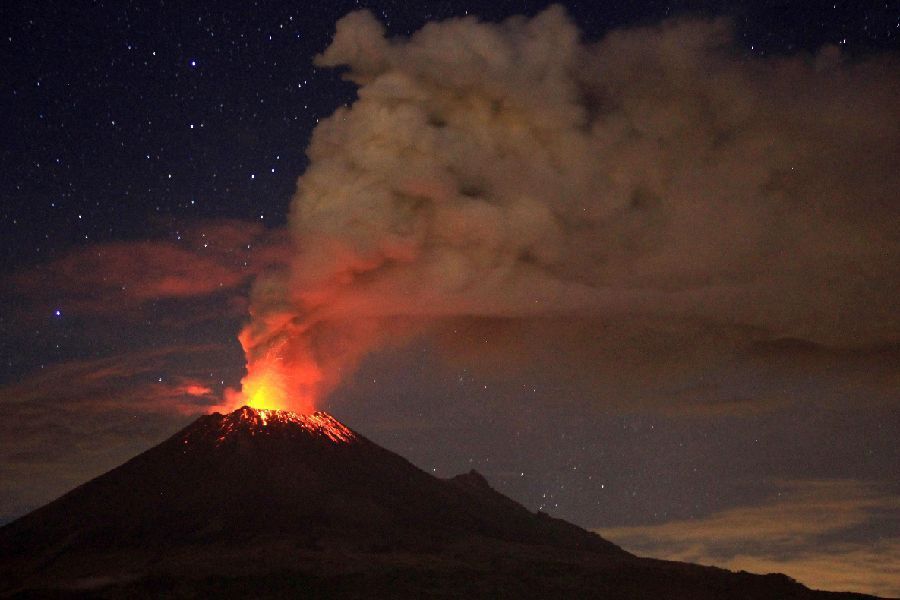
(276, 383)
(259, 423)
(255, 420)
(265, 389)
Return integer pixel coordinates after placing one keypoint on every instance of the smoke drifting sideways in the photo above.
(513, 171)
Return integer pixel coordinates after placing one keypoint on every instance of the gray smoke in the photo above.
(512, 170)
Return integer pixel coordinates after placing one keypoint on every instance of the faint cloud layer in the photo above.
(70, 421)
(110, 278)
(144, 340)
(818, 532)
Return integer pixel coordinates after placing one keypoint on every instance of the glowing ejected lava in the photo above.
(264, 388)
(275, 382)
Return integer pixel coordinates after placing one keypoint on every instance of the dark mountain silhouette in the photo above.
(274, 504)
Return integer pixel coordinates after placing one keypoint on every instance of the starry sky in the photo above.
(150, 153)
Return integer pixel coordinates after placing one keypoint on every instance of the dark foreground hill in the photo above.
(274, 504)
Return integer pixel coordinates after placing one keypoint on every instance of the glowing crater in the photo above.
(258, 421)
(318, 423)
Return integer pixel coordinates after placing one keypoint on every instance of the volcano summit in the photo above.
(266, 503)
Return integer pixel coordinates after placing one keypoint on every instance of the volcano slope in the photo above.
(260, 503)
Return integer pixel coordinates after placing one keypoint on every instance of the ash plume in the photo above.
(515, 171)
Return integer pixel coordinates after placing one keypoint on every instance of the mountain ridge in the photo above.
(271, 503)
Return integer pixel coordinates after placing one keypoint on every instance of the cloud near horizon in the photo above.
(805, 530)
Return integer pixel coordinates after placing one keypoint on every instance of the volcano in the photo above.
(265, 503)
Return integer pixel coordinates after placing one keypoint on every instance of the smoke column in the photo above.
(515, 171)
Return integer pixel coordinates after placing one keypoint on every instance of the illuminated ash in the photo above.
(253, 422)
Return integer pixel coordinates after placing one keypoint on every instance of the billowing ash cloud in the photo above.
(513, 170)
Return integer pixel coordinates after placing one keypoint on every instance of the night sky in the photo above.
(715, 378)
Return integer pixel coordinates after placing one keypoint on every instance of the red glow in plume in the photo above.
(278, 380)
